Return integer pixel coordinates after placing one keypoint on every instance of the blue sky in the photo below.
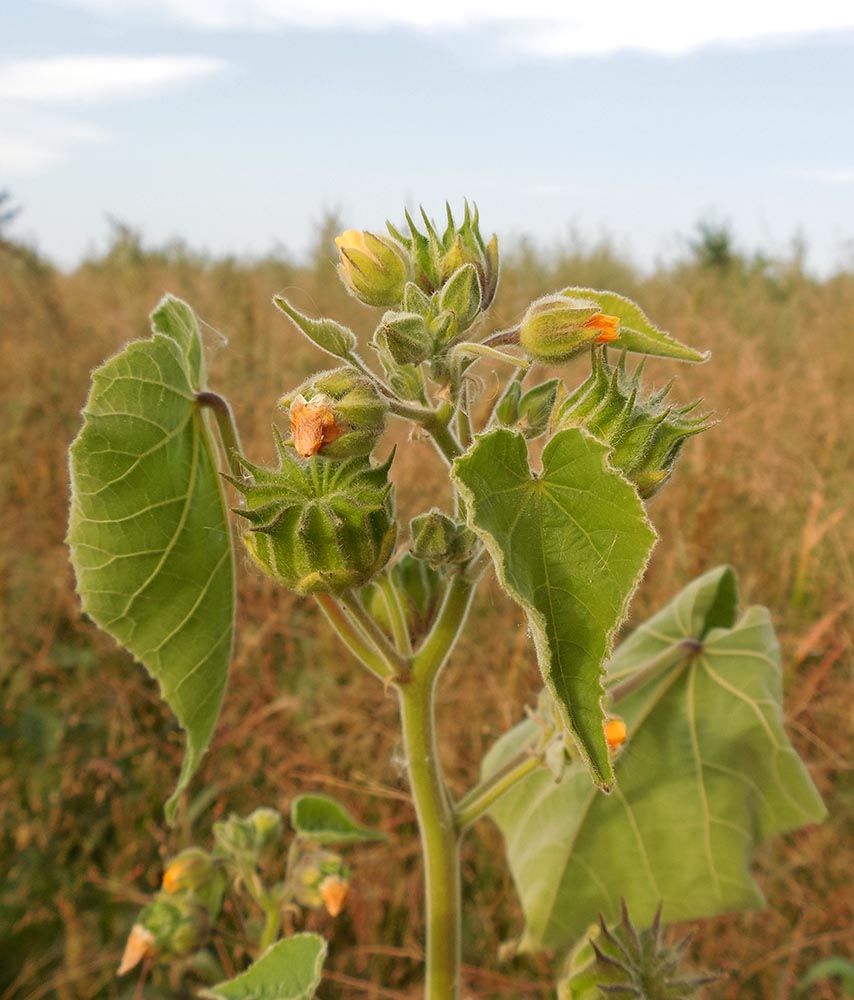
(236, 124)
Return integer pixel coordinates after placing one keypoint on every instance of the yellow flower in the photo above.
(372, 267)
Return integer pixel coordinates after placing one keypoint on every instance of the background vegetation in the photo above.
(87, 753)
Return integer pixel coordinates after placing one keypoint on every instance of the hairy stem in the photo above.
(440, 840)
(475, 803)
(355, 640)
(226, 425)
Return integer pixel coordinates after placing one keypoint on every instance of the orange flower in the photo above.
(608, 327)
(333, 891)
(615, 733)
(313, 424)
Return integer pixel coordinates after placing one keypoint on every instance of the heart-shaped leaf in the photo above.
(148, 531)
(706, 775)
(570, 545)
(288, 970)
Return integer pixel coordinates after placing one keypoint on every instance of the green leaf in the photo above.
(570, 545)
(706, 775)
(288, 970)
(636, 332)
(325, 821)
(148, 531)
(834, 967)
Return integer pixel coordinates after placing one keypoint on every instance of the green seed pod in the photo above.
(373, 268)
(645, 435)
(622, 961)
(438, 540)
(318, 526)
(178, 926)
(557, 327)
(336, 414)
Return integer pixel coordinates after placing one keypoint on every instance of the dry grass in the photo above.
(86, 750)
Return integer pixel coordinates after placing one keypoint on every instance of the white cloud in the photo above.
(32, 144)
(546, 27)
(98, 78)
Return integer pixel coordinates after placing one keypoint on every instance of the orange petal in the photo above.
(333, 892)
(608, 327)
(140, 945)
(615, 733)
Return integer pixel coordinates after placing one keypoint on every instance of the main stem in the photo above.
(440, 839)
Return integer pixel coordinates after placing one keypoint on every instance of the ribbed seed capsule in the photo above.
(318, 526)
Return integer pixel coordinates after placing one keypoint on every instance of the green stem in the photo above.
(355, 640)
(354, 607)
(435, 422)
(396, 614)
(476, 802)
(272, 924)
(440, 841)
(227, 427)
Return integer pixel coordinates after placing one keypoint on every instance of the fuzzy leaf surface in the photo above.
(570, 545)
(325, 821)
(636, 331)
(288, 970)
(707, 774)
(148, 531)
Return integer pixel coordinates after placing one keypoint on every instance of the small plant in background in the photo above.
(647, 774)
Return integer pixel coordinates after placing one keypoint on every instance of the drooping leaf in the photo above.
(288, 970)
(636, 332)
(148, 530)
(570, 545)
(325, 821)
(706, 775)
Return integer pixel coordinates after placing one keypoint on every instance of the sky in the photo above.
(238, 125)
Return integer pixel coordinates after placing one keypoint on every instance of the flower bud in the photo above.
(644, 435)
(236, 837)
(266, 826)
(557, 327)
(319, 878)
(172, 926)
(404, 337)
(189, 871)
(436, 258)
(438, 540)
(373, 268)
(461, 296)
(318, 526)
(336, 414)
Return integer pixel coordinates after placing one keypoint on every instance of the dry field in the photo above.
(87, 753)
